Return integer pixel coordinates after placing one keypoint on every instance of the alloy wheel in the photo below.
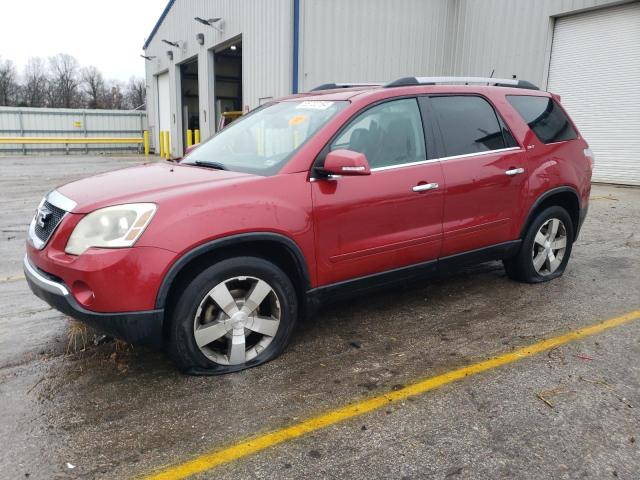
(549, 246)
(237, 320)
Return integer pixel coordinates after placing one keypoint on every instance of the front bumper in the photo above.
(144, 327)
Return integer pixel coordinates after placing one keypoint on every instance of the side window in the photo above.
(544, 117)
(468, 124)
(388, 134)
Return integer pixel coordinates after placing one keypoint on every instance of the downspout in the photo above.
(296, 46)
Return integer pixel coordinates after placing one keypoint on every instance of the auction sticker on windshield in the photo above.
(315, 105)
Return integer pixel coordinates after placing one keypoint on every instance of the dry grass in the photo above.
(78, 337)
(82, 338)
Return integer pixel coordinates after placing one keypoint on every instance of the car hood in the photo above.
(154, 182)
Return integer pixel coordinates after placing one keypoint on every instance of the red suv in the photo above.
(310, 198)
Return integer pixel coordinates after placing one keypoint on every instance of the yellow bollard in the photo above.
(197, 136)
(145, 141)
(167, 145)
(189, 137)
(161, 144)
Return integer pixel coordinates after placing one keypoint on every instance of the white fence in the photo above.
(71, 123)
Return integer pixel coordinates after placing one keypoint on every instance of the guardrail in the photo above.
(29, 130)
(144, 140)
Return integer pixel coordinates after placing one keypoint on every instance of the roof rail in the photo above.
(498, 82)
(331, 86)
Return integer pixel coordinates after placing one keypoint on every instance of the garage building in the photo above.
(240, 54)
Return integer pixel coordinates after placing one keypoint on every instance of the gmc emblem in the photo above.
(42, 216)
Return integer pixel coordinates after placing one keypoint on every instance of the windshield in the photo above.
(263, 141)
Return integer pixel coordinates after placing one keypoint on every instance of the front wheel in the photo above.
(236, 314)
(545, 249)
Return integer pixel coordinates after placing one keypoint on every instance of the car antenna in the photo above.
(492, 72)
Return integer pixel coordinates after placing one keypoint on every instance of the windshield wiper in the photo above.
(215, 165)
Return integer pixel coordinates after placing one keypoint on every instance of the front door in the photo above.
(484, 171)
(391, 218)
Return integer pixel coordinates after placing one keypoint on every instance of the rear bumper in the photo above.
(144, 327)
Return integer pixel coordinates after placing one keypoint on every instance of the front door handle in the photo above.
(514, 171)
(425, 186)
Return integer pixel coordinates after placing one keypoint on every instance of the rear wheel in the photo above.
(545, 249)
(236, 314)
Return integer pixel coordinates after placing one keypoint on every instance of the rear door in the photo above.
(391, 218)
(484, 171)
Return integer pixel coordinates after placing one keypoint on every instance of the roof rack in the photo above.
(497, 82)
(331, 86)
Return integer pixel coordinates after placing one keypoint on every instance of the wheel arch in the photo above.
(276, 248)
(565, 197)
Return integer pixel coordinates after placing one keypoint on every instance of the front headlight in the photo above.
(112, 227)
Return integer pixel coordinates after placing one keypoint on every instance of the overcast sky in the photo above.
(108, 34)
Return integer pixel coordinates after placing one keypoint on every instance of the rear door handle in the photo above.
(425, 186)
(514, 171)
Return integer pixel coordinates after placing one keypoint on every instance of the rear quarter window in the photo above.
(469, 125)
(544, 116)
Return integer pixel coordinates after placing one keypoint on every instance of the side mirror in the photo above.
(346, 162)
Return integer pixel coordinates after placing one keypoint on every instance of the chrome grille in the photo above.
(45, 226)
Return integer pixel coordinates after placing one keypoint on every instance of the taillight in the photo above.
(589, 154)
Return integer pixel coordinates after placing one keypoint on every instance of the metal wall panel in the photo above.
(373, 40)
(266, 29)
(511, 36)
(63, 122)
(353, 40)
(595, 67)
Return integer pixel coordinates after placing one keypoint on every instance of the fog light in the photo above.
(82, 293)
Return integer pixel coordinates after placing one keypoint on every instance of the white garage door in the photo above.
(595, 68)
(164, 112)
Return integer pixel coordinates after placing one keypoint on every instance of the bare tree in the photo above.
(93, 84)
(9, 87)
(64, 84)
(114, 98)
(136, 93)
(61, 82)
(36, 83)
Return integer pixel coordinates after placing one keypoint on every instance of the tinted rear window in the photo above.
(468, 124)
(544, 117)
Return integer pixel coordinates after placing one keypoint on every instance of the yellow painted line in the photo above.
(12, 279)
(213, 459)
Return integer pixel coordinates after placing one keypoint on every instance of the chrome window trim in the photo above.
(432, 160)
(42, 281)
(487, 152)
(400, 165)
(452, 157)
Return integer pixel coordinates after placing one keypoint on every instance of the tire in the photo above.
(537, 260)
(216, 317)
